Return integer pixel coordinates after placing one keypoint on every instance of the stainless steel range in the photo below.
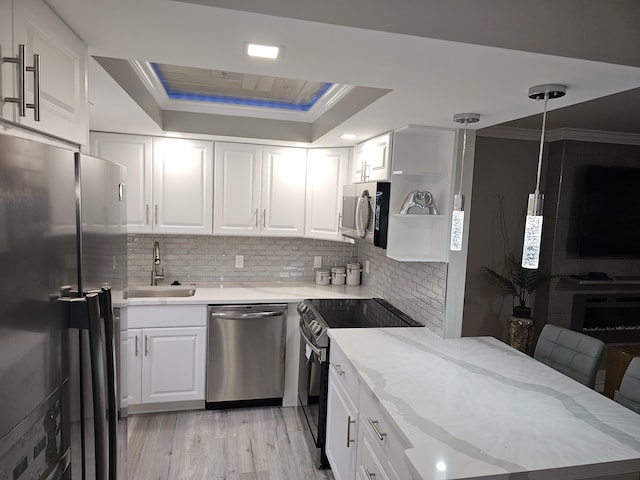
(316, 316)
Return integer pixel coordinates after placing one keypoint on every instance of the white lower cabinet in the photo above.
(342, 429)
(166, 363)
(363, 442)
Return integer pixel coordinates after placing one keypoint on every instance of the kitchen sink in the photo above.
(165, 291)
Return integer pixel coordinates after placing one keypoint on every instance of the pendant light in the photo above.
(533, 224)
(457, 218)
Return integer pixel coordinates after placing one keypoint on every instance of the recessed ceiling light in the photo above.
(348, 136)
(262, 51)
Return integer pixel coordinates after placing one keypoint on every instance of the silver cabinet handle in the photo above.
(338, 369)
(146, 214)
(339, 220)
(375, 425)
(370, 475)
(349, 439)
(264, 218)
(20, 99)
(36, 87)
(256, 222)
(156, 213)
(137, 350)
(146, 345)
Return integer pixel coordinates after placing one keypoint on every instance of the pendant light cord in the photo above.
(464, 149)
(544, 122)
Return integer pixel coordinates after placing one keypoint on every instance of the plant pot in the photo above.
(522, 312)
(521, 334)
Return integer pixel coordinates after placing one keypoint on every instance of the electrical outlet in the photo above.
(317, 261)
(239, 261)
(366, 266)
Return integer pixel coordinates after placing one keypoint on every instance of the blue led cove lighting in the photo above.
(177, 95)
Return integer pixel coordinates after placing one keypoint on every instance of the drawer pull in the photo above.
(338, 369)
(349, 439)
(375, 425)
(370, 475)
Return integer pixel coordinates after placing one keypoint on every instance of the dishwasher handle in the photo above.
(242, 316)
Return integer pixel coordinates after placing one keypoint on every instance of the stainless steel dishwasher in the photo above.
(245, 354)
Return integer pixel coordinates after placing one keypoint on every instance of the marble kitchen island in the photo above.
(476, 408)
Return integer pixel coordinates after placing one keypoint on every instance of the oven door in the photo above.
(312, 391)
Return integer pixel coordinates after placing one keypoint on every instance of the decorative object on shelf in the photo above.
(422, 199)
(520, 283)
(457, 220)
(533, 224)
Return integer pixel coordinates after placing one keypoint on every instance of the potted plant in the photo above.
(520, 283)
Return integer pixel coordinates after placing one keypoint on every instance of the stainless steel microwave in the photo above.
(365, 212)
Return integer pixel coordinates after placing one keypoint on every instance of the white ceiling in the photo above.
(430, 79)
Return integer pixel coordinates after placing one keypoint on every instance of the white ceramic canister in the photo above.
(338, 275)
(353, 273)
(323, 277)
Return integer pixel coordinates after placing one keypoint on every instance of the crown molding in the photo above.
(577, 134)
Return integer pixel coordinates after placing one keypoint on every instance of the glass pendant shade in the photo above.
(532, 232)
(457, 223)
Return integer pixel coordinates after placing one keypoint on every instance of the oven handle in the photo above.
(320, 352)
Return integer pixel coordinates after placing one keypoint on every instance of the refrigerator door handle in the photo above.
(106, 309)
(98, 371)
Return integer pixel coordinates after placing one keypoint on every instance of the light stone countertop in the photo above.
(249, 292)
(476, 408)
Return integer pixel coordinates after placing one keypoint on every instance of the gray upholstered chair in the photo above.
(574, 354)
(629, 393)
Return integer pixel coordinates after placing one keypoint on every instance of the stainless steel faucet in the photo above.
(157, 272)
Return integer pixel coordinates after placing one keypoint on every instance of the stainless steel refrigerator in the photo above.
(62, 244)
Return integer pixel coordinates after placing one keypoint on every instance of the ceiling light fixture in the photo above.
(262, 51)
(348, 136)
(457, 217)
(533, 224)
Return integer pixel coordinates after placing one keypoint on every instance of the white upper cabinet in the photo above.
(237, 189)
(136, 154)
(169, 181)
(372, 160)
(326, 174)
(62, 95)
(259, 190)
(283, 191)
(182, 186)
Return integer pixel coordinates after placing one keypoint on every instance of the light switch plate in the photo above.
(317, 261)
(239, 261)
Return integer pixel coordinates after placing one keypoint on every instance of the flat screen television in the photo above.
(610, 213)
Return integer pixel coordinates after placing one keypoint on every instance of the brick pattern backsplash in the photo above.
(207, 259)
(416, 288)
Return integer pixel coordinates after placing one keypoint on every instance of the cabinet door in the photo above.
(326, 174)
(283, 191)
(182, 186)
(342, 428)
(135, 153)
(132, 351)
(63, 71)
(7, 70)
(372, 160)
(237, 189)
(174, 364)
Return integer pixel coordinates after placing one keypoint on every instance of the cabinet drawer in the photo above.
(346, 374)
(386, 439)
(155, 316)
(369, 465)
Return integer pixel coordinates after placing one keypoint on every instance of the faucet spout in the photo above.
(157, 272)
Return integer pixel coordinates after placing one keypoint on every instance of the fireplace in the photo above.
(613, 318)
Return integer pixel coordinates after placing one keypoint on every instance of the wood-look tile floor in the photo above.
(262, 443)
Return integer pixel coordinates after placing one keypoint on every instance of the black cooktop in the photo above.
(360, 313)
